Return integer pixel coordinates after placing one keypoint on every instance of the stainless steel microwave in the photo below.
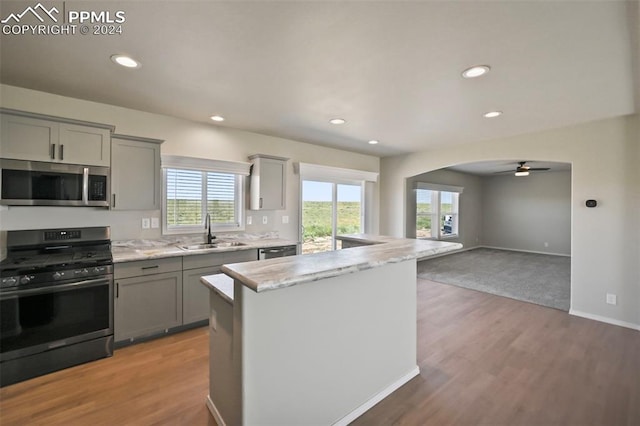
(34, 183)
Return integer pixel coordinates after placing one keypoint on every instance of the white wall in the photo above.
(182, 137)
(524, 213)
(470, 207)
(604, 156)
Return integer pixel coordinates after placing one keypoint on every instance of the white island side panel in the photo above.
(316, 352)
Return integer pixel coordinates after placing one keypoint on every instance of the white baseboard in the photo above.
(604, 319)
(524, 251)
(377, 398)
(214, 412)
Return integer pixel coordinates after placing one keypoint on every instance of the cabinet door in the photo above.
(147, 305)
(195, 296)
(135, 175)
(84, 145)
(25, 138)
(268, 184)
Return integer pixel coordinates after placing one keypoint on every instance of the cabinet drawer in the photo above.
(147, 267)
(217, 259)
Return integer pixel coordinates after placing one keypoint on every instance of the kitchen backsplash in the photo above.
(125, 225)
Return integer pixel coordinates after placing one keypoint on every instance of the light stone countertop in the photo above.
(128, 251)
(284, 272)
(221, 284)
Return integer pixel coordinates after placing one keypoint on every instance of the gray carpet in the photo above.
(536, 278)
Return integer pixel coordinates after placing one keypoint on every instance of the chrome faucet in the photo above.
(207, 225)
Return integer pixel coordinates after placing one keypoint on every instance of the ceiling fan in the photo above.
(523, 169)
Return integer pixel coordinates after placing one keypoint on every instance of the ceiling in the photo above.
(391, 69)
(491, 168)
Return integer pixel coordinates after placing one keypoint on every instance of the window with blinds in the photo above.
(191, 194)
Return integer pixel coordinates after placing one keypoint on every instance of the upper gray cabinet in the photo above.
(268, 182)
(135, 173)
(84, 145)
(35, 137)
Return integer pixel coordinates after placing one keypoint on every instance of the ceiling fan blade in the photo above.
(504, 171)
(539, 168)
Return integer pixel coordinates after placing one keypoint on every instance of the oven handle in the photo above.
(56, 288)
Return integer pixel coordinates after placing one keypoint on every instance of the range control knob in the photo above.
(85, 271)
(96, 270)
(10, 281)
(25, 280)
(57, 275)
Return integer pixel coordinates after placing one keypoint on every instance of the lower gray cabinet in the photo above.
(147, 305)
(195, 296)
(156, 295)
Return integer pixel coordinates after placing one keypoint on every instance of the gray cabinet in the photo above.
(35, 137)
(25, 138)
(195, 296)
(84, 145)
(148, 297)
(268, 182)
(135, 173)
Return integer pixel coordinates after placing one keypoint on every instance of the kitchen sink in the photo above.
(218, 244)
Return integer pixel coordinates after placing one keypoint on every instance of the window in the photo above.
(333, 202)
(437, 211)
(192, 193)
(329, 209)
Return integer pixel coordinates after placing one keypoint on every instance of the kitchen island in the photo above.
(314, 339)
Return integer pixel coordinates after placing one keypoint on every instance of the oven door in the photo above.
(38, 319)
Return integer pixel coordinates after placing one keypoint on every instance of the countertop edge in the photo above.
(121, 255)
(269, 285)
(208, 281)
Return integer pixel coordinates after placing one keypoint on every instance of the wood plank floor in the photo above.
(484, 359)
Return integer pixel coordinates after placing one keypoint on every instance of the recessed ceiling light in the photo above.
(373, 142)
(476, 71)
(125, 61)
(217, 118)
(337, 121)
(492, 114)
(522, 173)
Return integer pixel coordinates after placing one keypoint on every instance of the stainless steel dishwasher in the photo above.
(281, 251)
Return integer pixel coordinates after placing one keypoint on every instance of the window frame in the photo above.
(437, 213)
(204, 167)
(338, 176)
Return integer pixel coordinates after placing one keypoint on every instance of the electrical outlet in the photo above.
(155, 222)
(264, 220)
(146, 223)
(249, 220)
(546, 244)
(612, 299)
(285, 219)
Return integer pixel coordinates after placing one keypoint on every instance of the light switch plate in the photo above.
(285, 219)
(264, 220)
(155, 222)
(249, 220)
(612, 299)
(146, 223)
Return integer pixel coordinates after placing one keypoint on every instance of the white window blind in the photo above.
(184, 197)
(192, 193)
(221, 190)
